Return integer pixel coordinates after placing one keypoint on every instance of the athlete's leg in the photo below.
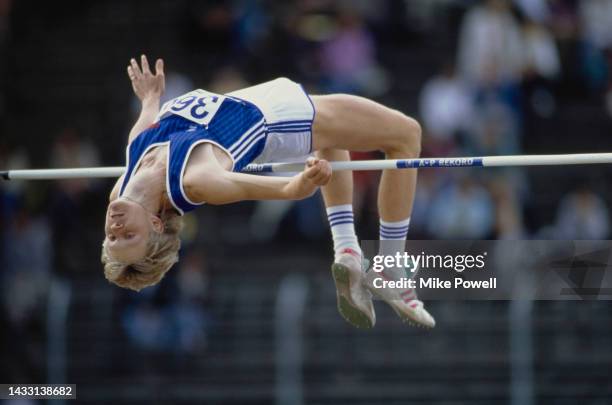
(354, 302)
(355, 123)
(338, 197)
(358, 124)
(339, 191)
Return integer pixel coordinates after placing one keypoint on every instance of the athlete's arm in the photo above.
(148, 87)
(227, 187)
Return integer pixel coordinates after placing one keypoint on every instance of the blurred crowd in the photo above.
(509, 66)
(515, 62)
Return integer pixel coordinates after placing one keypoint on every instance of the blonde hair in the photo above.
(162, 253)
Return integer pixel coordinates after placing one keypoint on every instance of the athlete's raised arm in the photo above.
(148, 87)
(227, 187)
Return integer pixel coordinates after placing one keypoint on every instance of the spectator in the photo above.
(25, 267)
(428, 187)
(28, 256)
(579, 59)
(266, 219)
(349, 58)
(490, 45)
(462, 210)
(542, 68)
(191, 317)
(253, 25)
(446, 108)
(72, 202)
(495, 131)
(365, 189)
(171, 318)
(509, 221)
(535, 10)
(71, 150)
(582, 214)
(541, 55)
(596, 17)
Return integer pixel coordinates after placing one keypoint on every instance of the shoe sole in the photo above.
(404, 317)
(349, 312)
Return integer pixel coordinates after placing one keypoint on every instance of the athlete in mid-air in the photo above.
(191, 151)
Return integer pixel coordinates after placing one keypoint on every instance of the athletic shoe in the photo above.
(354, 300)
(403, 301)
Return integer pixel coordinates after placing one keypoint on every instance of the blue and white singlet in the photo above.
(235, 125)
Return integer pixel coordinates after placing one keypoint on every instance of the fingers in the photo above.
(145, 65)
(131, 73)
(136, 72)
(319, 171)
(159, 67)
(325, 173)
(312, 161)
(320, 179)
(135, 68)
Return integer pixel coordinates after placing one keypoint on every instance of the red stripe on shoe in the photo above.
(408, 299)
(351, 252)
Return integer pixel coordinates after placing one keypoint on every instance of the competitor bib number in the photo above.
(198, 106)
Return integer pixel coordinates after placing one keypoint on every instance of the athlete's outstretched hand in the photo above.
(147, 85)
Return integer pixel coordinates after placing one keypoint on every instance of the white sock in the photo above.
(394, 236)
(342, 226)
(393, 241)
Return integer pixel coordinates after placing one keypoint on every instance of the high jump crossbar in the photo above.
(355, 165)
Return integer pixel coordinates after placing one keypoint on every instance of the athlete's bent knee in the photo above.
(415, 134)
(407, 142)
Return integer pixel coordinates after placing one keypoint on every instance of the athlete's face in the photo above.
(128, 227)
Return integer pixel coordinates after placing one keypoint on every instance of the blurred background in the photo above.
(248, 316)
